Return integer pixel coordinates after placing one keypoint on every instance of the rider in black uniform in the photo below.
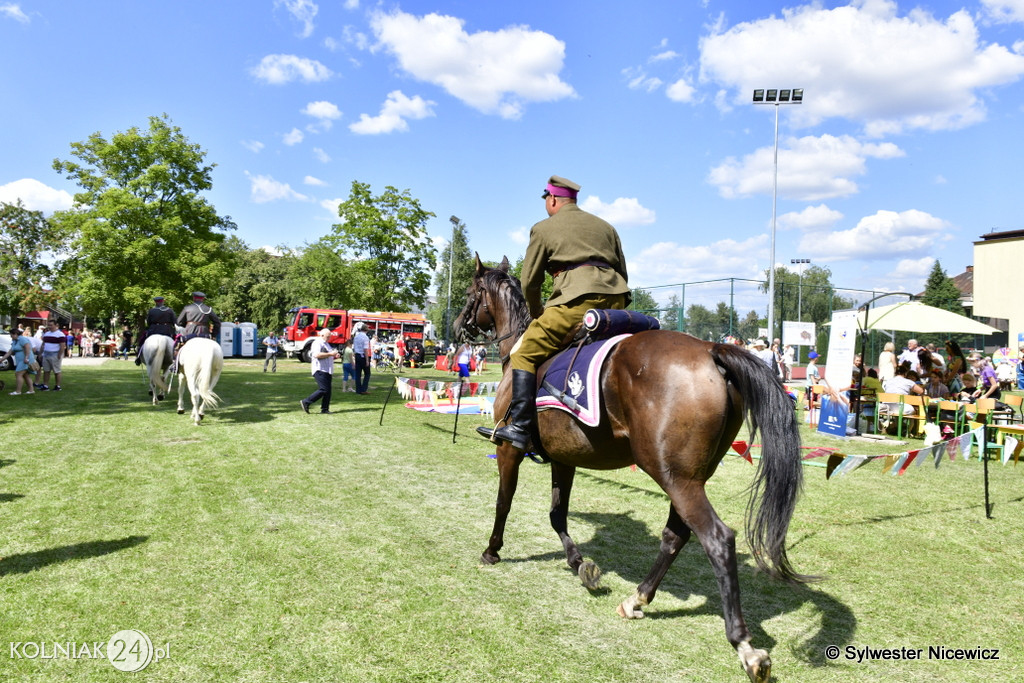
(197, 319)
(159, 320)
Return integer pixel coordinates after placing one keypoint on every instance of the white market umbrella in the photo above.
(914, 316)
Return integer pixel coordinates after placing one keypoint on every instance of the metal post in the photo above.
(771, 260)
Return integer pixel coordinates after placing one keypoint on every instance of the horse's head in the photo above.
(477, 317)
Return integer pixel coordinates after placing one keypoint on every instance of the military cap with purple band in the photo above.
(560, 187)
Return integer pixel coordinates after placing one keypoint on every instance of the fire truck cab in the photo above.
(387, 327)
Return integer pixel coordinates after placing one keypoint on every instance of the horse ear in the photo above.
(480, 267)
(504, 265)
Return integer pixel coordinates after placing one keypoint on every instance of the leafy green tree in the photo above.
(701, 322)
(457, 259)
(545, 289)
(384, 237)
(26, 238)
(643, 301)
(140, 224)
(749, 326)
(260, 288)
(810, 298)
(670, 316)
(321, 277)
(941, 292)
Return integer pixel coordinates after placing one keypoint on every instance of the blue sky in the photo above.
(907, 147)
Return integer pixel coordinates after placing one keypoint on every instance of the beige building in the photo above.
(998, 258)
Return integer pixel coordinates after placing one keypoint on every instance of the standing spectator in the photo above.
(481, 359)
(21, 349)
(765, 354)
(362, 351)
(400, 351)
(813, 376)
(956, 366)
(788, 358)
(126, 343)
(78, 341)
(911, 355)
(54, 341)
(322, 357)
(777, 357)
(348, 365)
(887, 363)
(271, 342)
(70, 339)
(465, 354)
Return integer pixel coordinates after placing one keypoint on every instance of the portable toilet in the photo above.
(227, 339)
(245, 340)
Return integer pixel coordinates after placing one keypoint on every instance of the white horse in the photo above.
(157, 354)
(200, 361)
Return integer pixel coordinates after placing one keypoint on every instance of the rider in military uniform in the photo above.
(584, 256)
(197, 318)
(159, 320)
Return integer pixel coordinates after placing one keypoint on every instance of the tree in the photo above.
(386, 239)
(671, 316)
(643, 301)
(260, 288)
(140, 226)
(810, 298)
(941, 292)
(701, 322)
(26, 238)
(456, 258)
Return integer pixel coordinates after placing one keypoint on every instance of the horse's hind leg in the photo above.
(509, 460)
(719, 543)
(673, 537)
(562, 477)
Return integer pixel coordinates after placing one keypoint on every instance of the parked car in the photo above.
(5, 346)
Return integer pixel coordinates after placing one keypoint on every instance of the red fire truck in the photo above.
(305, 322)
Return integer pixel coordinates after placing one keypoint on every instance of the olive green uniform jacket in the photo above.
(570, 237)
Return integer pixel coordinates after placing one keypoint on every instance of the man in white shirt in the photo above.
(361, 347)
(271, 342)
(53, 342)
(910, 354)
(322, 357)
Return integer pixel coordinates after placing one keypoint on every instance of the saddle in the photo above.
(570, 381)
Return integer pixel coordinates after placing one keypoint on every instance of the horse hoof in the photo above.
(756, 663)
(488, 558)
(590, 575)
(631, 608)
(181, 411)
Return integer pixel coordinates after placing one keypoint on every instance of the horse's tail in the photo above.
(155, 366)
(779, 477)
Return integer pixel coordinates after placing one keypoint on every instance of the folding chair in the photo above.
(983, 410)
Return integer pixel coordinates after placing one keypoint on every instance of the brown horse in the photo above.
(672, 405)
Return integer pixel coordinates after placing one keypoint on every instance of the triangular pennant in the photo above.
(890, 460)
(951, 450)
(1009, 447)
(965, 445)
(911, 456)
(834, 461)
(897, 466)
(743, 449)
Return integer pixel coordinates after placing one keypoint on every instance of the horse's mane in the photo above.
(507, 289)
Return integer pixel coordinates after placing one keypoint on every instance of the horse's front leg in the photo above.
(562, 477)
(509, 460)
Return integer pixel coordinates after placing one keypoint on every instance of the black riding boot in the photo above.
(522, 411)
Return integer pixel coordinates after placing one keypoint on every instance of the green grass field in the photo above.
(271, 545)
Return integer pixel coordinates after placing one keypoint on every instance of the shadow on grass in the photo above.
(5, 463)
(8, 497)
(624, 546)
(24, 563)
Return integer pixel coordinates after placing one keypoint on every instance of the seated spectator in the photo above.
(904, 384)
(970, 385)
(935, 388)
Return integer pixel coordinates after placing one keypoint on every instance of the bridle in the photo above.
(471, 325)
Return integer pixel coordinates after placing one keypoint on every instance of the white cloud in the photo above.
(351, 4)
(332, 205)
(311, 180)
(303, 11)
(623, 212)
(812, 218)
(36, 196)
(293, 137)
(913, 269)
(1004, 11)
(14, 12)
(324, 112)
(664, 56)
(810, 168)
(886, 235)
(496, 72)
(322, 156)
(393, 114)
(254, 146)
(672, 262)
(264, 188)
(681, 91)
(865, 63)
(281, 69)
(520, 236)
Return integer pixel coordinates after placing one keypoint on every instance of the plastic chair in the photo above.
(983, 410)
(954, 418)
(814, 404)
(886, 402)
(1015, 401)
(918, 416)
